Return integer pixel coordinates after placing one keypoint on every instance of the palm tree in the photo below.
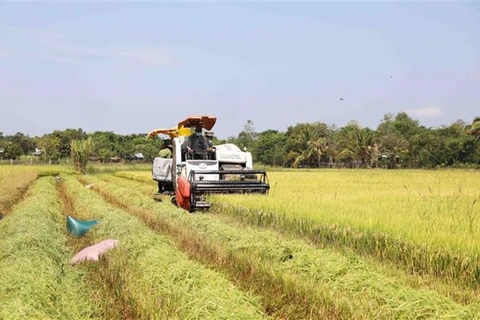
(303, 150)
(360, 147)
(314, 150)
(308, 143)
(330, 151)
(305, 156)
(291, 157)
(474, 128)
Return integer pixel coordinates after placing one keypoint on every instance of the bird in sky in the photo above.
(341, 99)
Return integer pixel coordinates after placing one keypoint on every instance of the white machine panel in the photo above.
(202, 165)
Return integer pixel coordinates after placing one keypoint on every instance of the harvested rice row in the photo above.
(14, 182)
(36, 281)
(355, 287)
(156, 279)
(111, 305)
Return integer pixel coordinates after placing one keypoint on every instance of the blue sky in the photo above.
(134, 67)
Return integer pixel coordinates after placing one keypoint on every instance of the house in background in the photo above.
(135, 157)
(138, 156)
(38, 152)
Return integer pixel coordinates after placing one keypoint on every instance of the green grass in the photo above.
(155, 279)
(36, 281)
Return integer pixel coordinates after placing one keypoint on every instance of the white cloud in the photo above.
(425, 112)
(29, 32)
(73, 49)
(59, 47)
(49, 35)
(155, 57)
(57, 58)
(5, 54)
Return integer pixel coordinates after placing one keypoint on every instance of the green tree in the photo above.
(26, 143)
(314, 150)
(427, 149)
(107, 144)
(51, 144)
(392, 136)
(65, 137)
(247, 137)
(474, 129)
(304, 143)
(269, 148)
(13, 150)
(359, 146)
(459, 145)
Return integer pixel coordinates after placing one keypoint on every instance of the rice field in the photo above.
(13, 183)
(428, 221)
(323, 244)
(434, 208)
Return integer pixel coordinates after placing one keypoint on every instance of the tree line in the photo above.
(398, 142)
(108, 146)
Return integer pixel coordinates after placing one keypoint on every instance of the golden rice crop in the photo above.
(425, 221)
(434, 208)
(454, 268)
(14, 181)
(345, 280)
(140, 176)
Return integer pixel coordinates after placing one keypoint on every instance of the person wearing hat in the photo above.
(195, 145)
(165, 152)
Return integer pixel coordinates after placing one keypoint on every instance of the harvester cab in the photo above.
(198, 167)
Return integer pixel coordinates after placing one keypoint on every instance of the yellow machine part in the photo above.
(172, 133)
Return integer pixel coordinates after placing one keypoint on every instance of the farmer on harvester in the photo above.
(195, 146)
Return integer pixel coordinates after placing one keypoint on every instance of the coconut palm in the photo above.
(306, 143)
(360, 147)
(474, 128)
(314, 150)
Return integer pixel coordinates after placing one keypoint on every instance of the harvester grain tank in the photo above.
(193, 174)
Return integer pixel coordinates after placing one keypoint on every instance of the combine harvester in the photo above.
(190, 176)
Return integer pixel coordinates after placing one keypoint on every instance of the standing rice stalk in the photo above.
(14, 182)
